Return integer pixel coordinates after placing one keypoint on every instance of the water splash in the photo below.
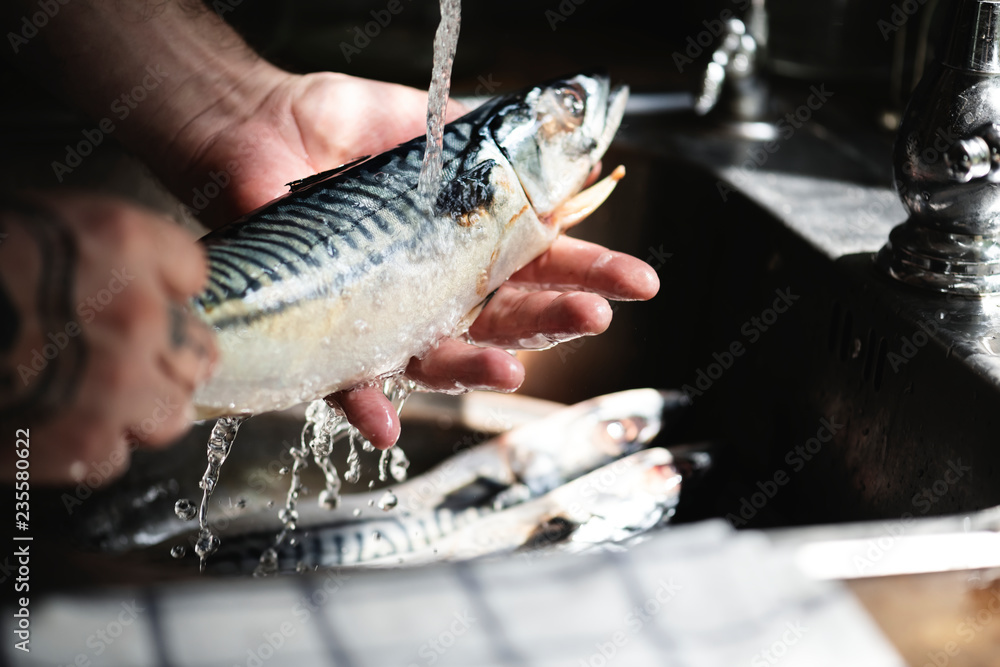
(220, 442)
(445, 45)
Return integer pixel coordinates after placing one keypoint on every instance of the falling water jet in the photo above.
(445, 45)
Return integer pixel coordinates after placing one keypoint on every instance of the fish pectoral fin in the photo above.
(479, 491)
(552, 530)
(468, 193)
(585, 202)
(304, 183)
(471, 316)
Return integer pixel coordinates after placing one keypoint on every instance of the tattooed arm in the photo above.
(95, 351)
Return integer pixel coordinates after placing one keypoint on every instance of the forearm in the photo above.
(164, 75)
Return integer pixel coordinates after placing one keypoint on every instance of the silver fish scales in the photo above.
(349, 275)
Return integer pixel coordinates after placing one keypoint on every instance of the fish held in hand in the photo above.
(344, 279)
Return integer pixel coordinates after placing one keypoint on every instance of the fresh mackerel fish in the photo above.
(349, 275)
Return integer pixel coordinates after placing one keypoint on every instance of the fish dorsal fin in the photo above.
(467, 193)
(304, 183)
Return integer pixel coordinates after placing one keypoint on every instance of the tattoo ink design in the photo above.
(52, 374)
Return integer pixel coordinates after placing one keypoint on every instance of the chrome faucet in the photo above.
(947, 165)
(732, 81)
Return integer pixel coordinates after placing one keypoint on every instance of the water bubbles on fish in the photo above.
(388, 501)
(376, 535)
(185, 509)
(371, 502)
(288, 515)
(178, 551)
(284, 470)
(371, 484)
(270, 504)
(357, 511)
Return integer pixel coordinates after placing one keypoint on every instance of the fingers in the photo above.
(455, 366)
(371, 413)
(181, 262)
(572, 264)
(516, 319)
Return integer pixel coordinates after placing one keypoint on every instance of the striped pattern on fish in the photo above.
(522, 464)
(348, 276)
(631, 495)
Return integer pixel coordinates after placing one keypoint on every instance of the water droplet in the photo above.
(376, 535)
(178, 551)
(357, 511)
(388, 501)
(398, 464)
(284, 470)
(207, 543)
(301, 567)
(288, 515)
(185, 509)
(268, 563)
(328, 500)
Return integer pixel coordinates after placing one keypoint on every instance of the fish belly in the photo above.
(362, 314)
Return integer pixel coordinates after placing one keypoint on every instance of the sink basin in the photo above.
(841, 395)
(834, 394)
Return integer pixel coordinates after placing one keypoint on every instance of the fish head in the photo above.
(553, 134)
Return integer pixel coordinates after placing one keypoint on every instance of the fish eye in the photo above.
(570, 99)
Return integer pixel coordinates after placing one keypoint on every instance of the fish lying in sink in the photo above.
(576, 475)
(349, 275)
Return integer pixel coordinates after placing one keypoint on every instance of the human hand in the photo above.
(318, 121)
(99, 351)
